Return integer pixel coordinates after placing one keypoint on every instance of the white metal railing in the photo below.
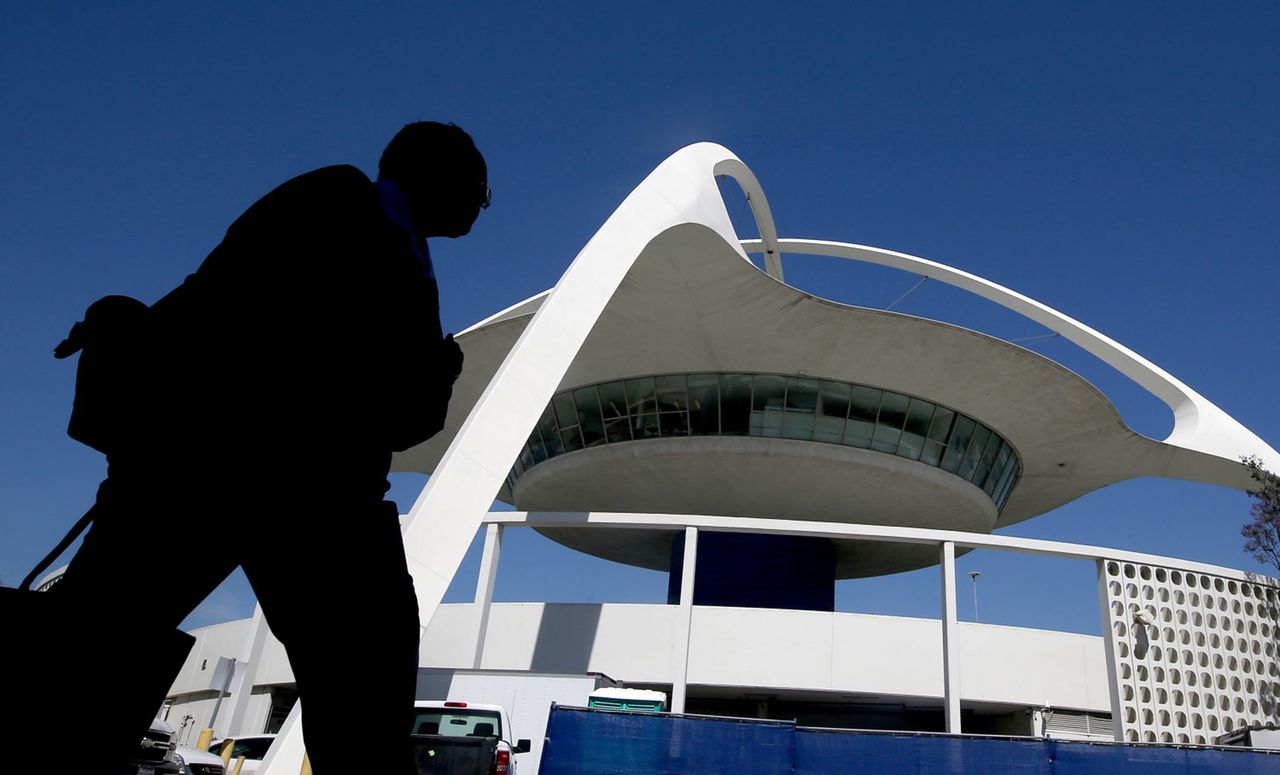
(1125, 666)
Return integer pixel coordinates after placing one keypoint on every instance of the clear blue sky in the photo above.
(1120, 162)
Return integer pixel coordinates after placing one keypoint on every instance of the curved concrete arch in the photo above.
(445, 517)
(750, 185)
(1199, 424)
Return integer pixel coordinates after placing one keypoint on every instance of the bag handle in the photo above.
(66, 541)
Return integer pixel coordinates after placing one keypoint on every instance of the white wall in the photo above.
(782, 649)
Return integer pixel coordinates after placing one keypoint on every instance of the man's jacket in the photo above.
(313, 325)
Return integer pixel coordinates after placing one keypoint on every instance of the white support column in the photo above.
(251, 655)
(1109, 649)
(484, 586)
(684, 622)
(950, 650)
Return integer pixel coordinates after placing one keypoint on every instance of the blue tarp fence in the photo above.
(584, 742)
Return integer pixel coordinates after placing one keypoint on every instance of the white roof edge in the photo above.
(1199, 424)
(526, 307)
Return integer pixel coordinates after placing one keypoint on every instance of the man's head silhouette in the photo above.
(442, 175)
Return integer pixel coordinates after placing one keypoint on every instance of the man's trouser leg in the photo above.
(125, 592)
(335, 588)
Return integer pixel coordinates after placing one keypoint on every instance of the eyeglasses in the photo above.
(487, 198)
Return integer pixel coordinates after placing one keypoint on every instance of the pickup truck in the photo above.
(460, 738)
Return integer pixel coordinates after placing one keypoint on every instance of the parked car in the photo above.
(193, 761)
(462, 738)
(252, 747)
(154, 754)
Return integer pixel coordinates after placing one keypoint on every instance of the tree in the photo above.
(1262, 532)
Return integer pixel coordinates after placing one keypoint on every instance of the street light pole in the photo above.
(973, 575)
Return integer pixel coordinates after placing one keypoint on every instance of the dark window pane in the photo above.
(735, 404)
(961, 432)
(566, 412)
(572, 438)
(671, 394)
(833, 399)
(797, 426)
(1007, 481)
(911, 445)
(893, 410)
(941, 425)
(886, 439)
(802, 400)
(618, 429)
(767, 394)
(974, 453)
(919, 413)
(932, 453)
(802, 395)
(524, 461)
(640, 396)
(613, 400)
(588, 401)
(704, 404)
(828, 429)
(536, 447)
(674, 424)
(550, 430)
(645, 426)
(857, 433)
(866, 404)
(997, 469)
(988, 459)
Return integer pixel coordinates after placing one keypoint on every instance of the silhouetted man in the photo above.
(284, 373)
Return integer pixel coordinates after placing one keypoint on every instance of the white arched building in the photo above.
(670, 405)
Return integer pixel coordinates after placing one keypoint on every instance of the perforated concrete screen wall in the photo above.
(1192, 655)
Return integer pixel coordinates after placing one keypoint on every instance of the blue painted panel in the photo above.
(587, 742)
(822, 751)
(591, 741)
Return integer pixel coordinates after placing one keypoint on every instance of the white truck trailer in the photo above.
(527, 698)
